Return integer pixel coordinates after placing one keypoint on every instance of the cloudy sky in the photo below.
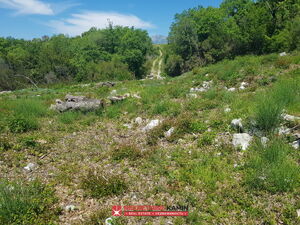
(35, 18)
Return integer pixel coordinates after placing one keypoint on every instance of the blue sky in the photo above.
(35, 18)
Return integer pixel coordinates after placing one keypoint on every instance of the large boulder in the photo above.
(77, 103)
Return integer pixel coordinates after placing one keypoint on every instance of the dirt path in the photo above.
(156, 67)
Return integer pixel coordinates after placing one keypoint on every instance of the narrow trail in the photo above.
(156, 67)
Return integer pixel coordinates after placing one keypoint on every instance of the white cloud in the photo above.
(79, 23)
(28, 6)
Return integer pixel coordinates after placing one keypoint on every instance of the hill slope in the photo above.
(94, 160)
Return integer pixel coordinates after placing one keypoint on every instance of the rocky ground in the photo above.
(202, 139)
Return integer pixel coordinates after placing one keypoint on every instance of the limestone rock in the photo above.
(151, 125)
(30, 167)
(237, 124)
(77, 103)
(169, 132)
(138, 120)
(264, 141)
(241, 140)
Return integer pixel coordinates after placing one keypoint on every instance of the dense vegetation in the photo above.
(114, 53)
(206, 35)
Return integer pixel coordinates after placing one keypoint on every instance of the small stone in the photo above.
(192, 95)
(70, 208)
(296, 144)
(237, 124)
(219, 154)
(136, 96)
(29, 167)
(264, 141)
(227, 110)
(138, 120)
(282, 54)
(129, 126)
(298, 212)
(231, 89)
(290, 117)
(169, 132)
(42, 142)
(235, 165)
(283, 130)
(241, 140)
(113, 92)
(108, 221)
(151, 125)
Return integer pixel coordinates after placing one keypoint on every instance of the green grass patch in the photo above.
(272, 169)
(99, 184)
(27, 204)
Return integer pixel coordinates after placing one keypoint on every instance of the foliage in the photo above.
(30, 203)
(113, 53)
(20, 124)
(205, 35)
(272, 169)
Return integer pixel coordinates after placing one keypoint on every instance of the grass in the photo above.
(126, 151)
(98, 185)
(270, 105)
(188, 167)
(27, 204)
(272, 169)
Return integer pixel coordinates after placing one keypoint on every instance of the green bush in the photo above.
(272, 169)
(27, 204)
(20, 124)
(98, 185)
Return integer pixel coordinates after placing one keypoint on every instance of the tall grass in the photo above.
(270, 105)
(26, 203)
(271, 168)
(24, 114)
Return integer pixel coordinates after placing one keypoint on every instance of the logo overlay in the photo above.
(148, 210)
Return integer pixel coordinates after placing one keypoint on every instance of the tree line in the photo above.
(199, 36)
(114, 53)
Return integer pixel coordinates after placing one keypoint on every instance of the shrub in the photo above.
(20, 124)
(98, 185)
(26, 203)
(271, 168)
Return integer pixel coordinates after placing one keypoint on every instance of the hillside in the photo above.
(175, 141)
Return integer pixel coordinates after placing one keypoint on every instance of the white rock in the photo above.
(227, 110)
(138, 120)
(136, 96)
(237, 124)
(241, 140)
(205, 87)
(29, 167)
(290, 117)
(231, 89)
(264, 141)
(70, 208)
(296, 144)
(129, 126)
(282, 54)
(298, 212)
(113, 92)
(283, 130)
(151, 125)
(169, 132)
(192, 95)
(4, 92)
